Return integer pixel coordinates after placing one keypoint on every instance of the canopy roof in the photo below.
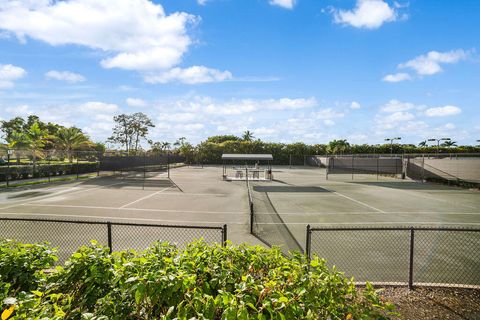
(239, 156)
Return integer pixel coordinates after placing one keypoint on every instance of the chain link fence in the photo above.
(26, 167)
(410, 256)
(69, 235)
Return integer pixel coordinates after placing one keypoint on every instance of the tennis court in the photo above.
(283, 208)
(301, 197)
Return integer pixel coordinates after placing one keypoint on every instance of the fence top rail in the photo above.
(112, 223)
(463, 229)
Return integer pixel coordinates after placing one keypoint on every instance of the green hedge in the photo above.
(200, 282)
(17, 172)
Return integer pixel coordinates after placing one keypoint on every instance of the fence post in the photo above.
(353, 170)
(308, 243)
(410, 269)
(377, 165)
(49, 165)
(290, 161)
(423, 168)
(304, 160)
(77, 167)
(224, 235)
(168, 164)
(7, 178)
(109, 235)
(144, 168)
(251, 217)
(98, 164)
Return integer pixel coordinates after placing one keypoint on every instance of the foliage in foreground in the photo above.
(200, 282)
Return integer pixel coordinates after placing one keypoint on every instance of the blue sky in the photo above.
(304, 70)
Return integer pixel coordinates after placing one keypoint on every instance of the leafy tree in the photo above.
(222, 138)
(338, 146)
(70, 139)
(9, 127)
(140, 125)
(129, 130)
(247, 136)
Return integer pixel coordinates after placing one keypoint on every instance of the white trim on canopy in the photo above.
(239, 156)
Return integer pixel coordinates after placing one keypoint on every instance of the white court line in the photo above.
(120, 218)
(354, 200)
(144, 198)
(370, 212)
(313, 224)
(133, 209)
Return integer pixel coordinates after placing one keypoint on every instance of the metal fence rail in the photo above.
(69, 235)
(421, 256)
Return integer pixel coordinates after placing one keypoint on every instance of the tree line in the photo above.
(130, 134)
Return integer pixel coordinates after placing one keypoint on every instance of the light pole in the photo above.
(438, 142)
(391, 144)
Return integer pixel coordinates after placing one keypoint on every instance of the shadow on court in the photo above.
(403, 185)
(290, 188)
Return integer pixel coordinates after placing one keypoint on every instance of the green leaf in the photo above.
(140, 293)
(283, 299)
(37, 293)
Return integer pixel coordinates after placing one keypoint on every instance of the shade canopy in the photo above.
(239, 156)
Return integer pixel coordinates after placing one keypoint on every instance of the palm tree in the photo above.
(16, 141)
(247, 136)
(180, 141)
(338, 146)
(70, 139)
(166, 145)
(449, 144)
(33, 138)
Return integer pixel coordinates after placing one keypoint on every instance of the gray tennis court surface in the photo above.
(191, 197)
(304, 196)
(299, 196)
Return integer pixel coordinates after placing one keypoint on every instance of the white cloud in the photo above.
(191, 75)
(98, 107)
(355, 105)
(328, 122)
(328, 113)
(397, 77)
(243, 106)
(369, 14)
(202, 2)
(135, 102)
(449, 126)
(394, 120)
(23, 110)
(287, 4)
(135, 34)
(9, 74)
(65, 76)
(431, 62)
(396, 106)
(179, 117)
(443, 111)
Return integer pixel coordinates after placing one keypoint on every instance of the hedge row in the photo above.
(201, 282)
(17, 172)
